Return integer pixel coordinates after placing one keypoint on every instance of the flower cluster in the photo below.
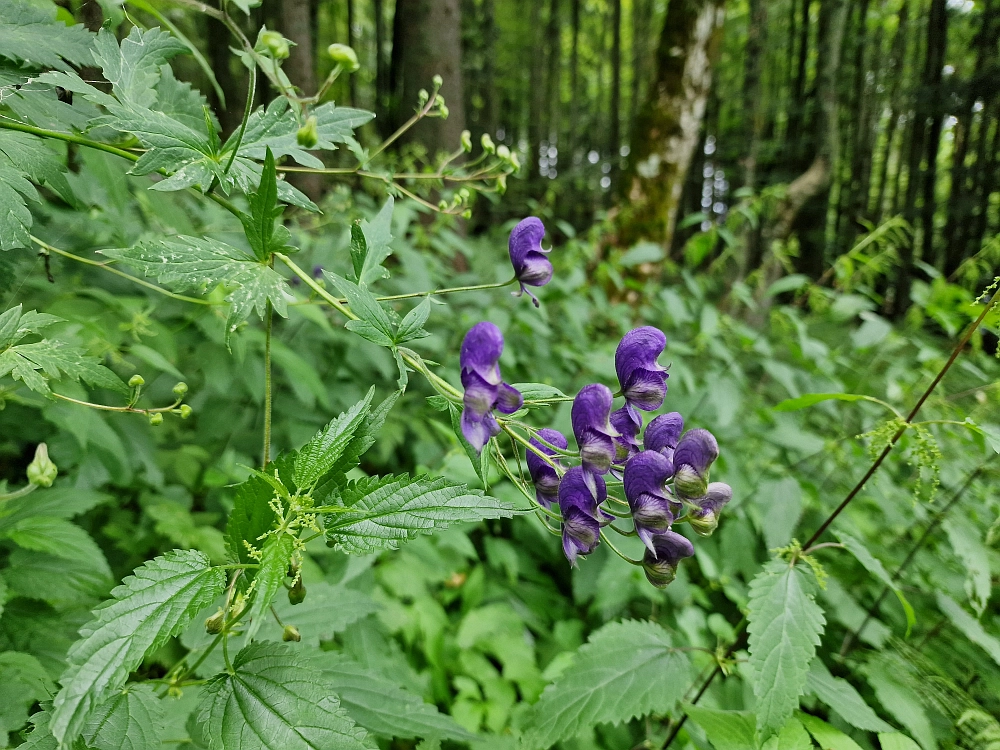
(663, 472)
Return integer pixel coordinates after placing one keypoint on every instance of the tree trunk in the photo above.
(641, 12)
(381, 74)
(753, 106)
(352, 81)
(937, 41)
(231, 113)
(552, 89)
(668, 127)
(536, 97)
(894, 74)
(615, 100)
(296, 24)
(574, 74)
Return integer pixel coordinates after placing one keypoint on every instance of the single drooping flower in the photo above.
(543, 474)
(579, 495)
(663, 433)
(531, 267)
(653, 507)
(694, 455)
(705, 517)
(592, 428)
(643, 380)
(484, 387)
(660, 563)
(626, 444)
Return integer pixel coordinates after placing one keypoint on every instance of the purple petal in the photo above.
(645, 389)
(660, 563)
(626, 445)
(580, 490)
(580, 534)
(544, 476)
(479, 396)
(527, 255)
(646, 473)
(475, 430)
(697, 449)
(651, 515)
(509, 399)
(481, 350)
(639, 349)
(718, 496)
(664, 432)
(597, 451)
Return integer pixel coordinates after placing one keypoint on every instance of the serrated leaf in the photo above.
(250, 518)
(26, 159)
(969, 626)
(152, 605)
(377, 513)
(15, 218)
(259, 225)
(382, 707)
(378, 235)
(38, 363)
(841, 696)
(23, 681)
(133, 66)
(793, 736)
(374, 324)
(59, 538)
(412, 325)
(874, 566)
(32, 35)
(274, 558)
(197, 263)
(47, 578)
(896, 741)
(275, 700)
(320, 454)
(359, 250)
(538, 391)
(129, 720)
(966, 541)
(902, 702)
(726, 730)
(826, 736)
(811, 399)
(327, 610)
(785, 625)
(626, 669)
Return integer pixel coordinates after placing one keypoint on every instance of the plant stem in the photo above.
(68, 138)
(126, 409)
(618, 552)
(251, 87)
(267, 384)
(26, 490)
(449, 290)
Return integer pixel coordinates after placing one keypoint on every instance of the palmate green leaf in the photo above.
(274, 558)
(129, 720)
(327, 610)
(969, 626)
(377, 234)
(874, 566)
(320, 454)
(381, 706)
(152, 605)
(412, 325)
(26, 159)
(726, 730)
(841, 696)
(15, 218)
(32, 35)
(185, 263)
(275, 700)
(826, 736)
(379, 513)
(785, 624)
(35, 364)
(625, 670)
(374, 324)
(133, 66)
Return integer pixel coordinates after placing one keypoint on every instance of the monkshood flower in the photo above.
(531, 267)
(660, 563)
(626, 444)
(653, 507)
(543, 475)
(663, 433)
(484, 387)
(695, 453)
(643, 380)
(579, 495)
(592, 428)
(705, 517)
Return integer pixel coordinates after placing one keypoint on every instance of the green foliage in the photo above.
(727, 730)
(317, 457)
(131, 719)
(31, 35)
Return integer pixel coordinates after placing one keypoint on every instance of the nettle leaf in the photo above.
(252, 516)
(625, 670)
(793, 736)
(320, 454)
(275, 556)
(785, 624)
(23, 681)
(276, 700)
(874, 566)
(826, 736)
(377, 513)
(186, 263)
(151, 606)
(327, 610)
(841, 696)
(59, 538)
(377, 234)
(811, 399)
(969, 626)
(967, 543)
(48, 578)
(374, 324)
(32, 35)
(896, 741)
(381, 706)
(129, 720)
(726, 730)
(363, 439)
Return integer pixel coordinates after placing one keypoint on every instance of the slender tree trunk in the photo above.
(574, 84)
(753, 105)
(490, 122)
(853, 197)
(536, 98)
(552, 87)
(614, 102)
(296, 24)
(641, 12)
(381, 74)
(937, 39)
(352, 81)
(894, 74)
(796, 118)
(221, 58)
(669, 125)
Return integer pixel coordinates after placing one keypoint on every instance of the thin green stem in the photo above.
(26, 490)
(125, 409)
(618, 552)
(68, 138)
(267, 384)
(449, 290)
(251, 88)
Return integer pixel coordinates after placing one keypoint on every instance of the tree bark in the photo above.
(668, 127)
(231, 114)
(381, 74)
(753, 106)
(615, 99)
(894, 74)
(937, 42)
(296, 24)
(574, 74)
(536, 96)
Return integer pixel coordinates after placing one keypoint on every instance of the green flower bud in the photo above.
(185, 411)
(515, 161)
(213, 625)
(423, 97)
(443, 111)
(308, 134)
(464, 194)
(156, 419)
(291, 633)
(135, 381)
(344, 56)
(180, 389)
(503, 152)
(466, 141)
(704, 524)
(275, 44)
(502, 184)
(41, 471)
(297, 593)
(467, 213)
(488, 146)
(438, 81)
(443, 205)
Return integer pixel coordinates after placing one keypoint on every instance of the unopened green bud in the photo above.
(213, 625)
(660, 573)
(515, 161)
(185, 411)
(135, 381)
(308, 134)
(488, 146)
(291, 633)
(466, 140)
(180, 389)
(464, 194)
(41, 471)
(438, 81)
(503, 152)
(344, 56)
(423, 97)
(275, 44)
(443, 205)
(467, 213)
(297, 593)
(502, 184)
(156, 419)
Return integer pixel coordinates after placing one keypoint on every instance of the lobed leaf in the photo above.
(377, 235)
(374, 323)
(32, 35)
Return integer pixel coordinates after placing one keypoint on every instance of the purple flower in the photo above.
(660, 564)
(484, 387)
(317, 271)
(626, 444)
(643, 381)
(663, 433)
(695, 453)
(543, 475)
(653, 507)
(527, 255)
(705, 518)
(579, 495)
(592, 427)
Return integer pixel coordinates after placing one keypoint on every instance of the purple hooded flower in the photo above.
(626, 444)
(705, 518)
(653, 508)
(543, 475)
(695, 453)
(643, 381)
(484, 387)
(527, 255)
(579, 495)
(592, 427)
(663, 433)
(660, 564)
